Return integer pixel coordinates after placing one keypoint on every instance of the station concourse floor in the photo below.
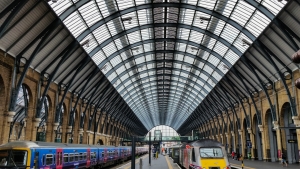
(255, 164)
(163, 162)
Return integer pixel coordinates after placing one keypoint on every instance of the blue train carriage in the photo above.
(127, 152)
(108, 155)
(42, 155)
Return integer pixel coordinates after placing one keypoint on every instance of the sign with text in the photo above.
(292, 141)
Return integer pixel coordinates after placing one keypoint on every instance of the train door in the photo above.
(59, 158)
(105, 155)
(88, 159)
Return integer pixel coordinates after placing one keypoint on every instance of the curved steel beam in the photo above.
(197, 29)
(176, 61)
(178, 76)
(163, 51)
(156, 5)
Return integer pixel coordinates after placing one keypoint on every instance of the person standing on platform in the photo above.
(154, 152)
(233, 154)
(283, 159)
(162, 151)
(157, 154)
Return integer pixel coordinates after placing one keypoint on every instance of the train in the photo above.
(201, 154)
(45, 155)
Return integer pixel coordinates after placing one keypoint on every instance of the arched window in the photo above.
(59, 128)
(41, 130)
(21, 110)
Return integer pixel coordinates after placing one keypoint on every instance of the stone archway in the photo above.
(246, 137)
(22, 109)
(2, 95)
(258, 153)
(290, 149)
(238, 139)
(2, 107)
(42, 126)
(271, 141)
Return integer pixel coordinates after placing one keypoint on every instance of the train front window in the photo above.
(212, 152)
(4, 157)
(13, 158)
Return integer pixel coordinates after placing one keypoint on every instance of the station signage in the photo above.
(292, 141)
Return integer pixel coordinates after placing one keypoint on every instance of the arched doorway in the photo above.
(258, 142)
(2, 91)
(273, 149)
(231, 128)
(237, 135)
(291, 149)
(247, 138)
(225, 142)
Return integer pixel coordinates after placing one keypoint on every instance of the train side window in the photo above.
(76, 157)
(92, 155)
(71, 157)
(102, 154)
(193, 155)
(66, 158)
(49, 159)
(84, 156)
(80, 157)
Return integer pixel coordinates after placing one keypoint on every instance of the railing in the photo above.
(163, 138)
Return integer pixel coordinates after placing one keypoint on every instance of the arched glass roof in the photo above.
(165, 56)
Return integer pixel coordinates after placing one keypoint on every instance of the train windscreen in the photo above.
(13, 158)
(210, 152)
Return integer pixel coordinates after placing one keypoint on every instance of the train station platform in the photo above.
(255, 164)
(163, 162)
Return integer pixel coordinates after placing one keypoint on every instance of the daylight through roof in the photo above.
(165, 56)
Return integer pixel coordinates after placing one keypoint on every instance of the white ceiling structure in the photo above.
(170, 60)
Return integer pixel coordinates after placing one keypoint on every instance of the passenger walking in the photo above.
(283, 159)
(232, 154)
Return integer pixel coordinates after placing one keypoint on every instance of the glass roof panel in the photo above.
(152, 74)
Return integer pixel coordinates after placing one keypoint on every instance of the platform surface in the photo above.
(163, 162)
(255, 164)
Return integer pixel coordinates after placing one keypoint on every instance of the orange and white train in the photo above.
(203, 154)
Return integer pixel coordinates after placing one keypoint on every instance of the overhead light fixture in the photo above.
(127, 19)
(104, 68)
(136, 49)
(225, 67)
(204, 19)
(86, 43)
(194, 48)
(245, 42)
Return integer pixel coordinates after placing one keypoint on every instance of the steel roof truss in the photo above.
(15, 10)
(262, 86)
(15, 89)
(269, 55)
(258, 112)
(244, 110)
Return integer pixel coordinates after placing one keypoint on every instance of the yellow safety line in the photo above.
(169, 165)
(236, 165)
(136, 161)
